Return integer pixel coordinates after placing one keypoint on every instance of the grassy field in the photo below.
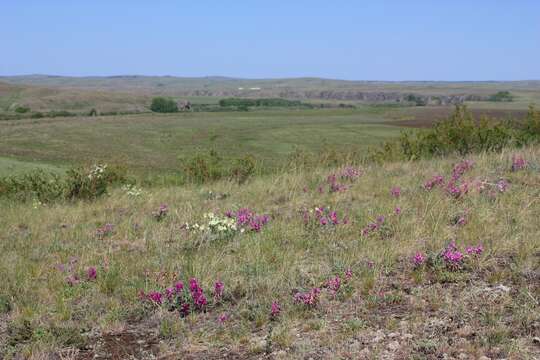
(71, 284)
(154, 143)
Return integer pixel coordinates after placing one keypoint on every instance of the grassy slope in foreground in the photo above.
(387, 309)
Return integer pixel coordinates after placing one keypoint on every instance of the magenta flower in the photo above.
(518, 163)
(348, 274)
(475, 250)
(161, 212)
(91, 273)
(72, 280)
(275, 310)
(502, 185)
(433, 182)
(223, 318)
(334, 285)
(218, 290)
(155, 297)
(310, 298)
(178, 287)
(397, 210)
(418, 259)
(396, 191)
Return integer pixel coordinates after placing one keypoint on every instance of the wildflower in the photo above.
(334, 285)
(72, 280)
(197, 295)
(223, 317)
(218, 290)
(275, 310)
(348, 274)
(178, 287)
(310, 298)
(184, 309)
(161, 212)
(518, 163)
(434, 181)
(474, 250)
(396, 191)
(169, 292)
(461, 168)
(397, 210)
(105, 230)
(91, 273)
(155, 297)
(502, 185)
(418, 259)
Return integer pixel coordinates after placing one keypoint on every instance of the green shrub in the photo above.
(203, 167)
(460, 134)
(243, 168)
(163, 105)
(501, 96)
(91, 183)
(22, 109)
(38, 184)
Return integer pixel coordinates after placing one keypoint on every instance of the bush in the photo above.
(460, 134)
(203, 168)
(501, 96)
(22, 109)
(91, 183)
(243, 168)
(40, 185)
(163, 105)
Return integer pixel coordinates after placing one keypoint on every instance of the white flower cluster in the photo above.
(97, 171)
(218, 226)
(132, 190)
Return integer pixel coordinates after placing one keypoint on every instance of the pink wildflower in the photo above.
(396, 191)
(91, 273)
(418, 259)
(155, 297)
(218, 290)
(223, 318)
(518, 163)
(275, 310)
(348, 274)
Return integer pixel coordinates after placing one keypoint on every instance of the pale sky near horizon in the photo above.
(356, 40)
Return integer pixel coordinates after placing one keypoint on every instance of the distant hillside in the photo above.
(40, 98)
(294, 88)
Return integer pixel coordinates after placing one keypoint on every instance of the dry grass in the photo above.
(389, 311)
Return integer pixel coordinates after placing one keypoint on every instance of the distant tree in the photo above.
(502, 96)
(163, 105)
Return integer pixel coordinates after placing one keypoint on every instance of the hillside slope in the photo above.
(410, 265)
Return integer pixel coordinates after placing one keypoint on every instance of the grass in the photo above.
(387, 309)
(154, 143)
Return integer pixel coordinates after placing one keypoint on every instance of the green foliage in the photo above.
(501, 96)
(46, 187)
(38, 184)
(163, 105)
(460, 134)
(244, 104)
(243, 168)
(22, 109)
(417, 100)
(207, 167)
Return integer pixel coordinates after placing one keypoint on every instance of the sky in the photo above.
(355, 40)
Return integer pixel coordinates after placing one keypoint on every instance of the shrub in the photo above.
(38, 184)
(163, 105)
(91, 183)
(460, 134)
(501, 96)
(203, 167)
(22, 109)
(243, 168)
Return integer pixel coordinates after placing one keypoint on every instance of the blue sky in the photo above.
(363, 40)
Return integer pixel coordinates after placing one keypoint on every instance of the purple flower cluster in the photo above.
(161, 212)
(74, 275)
(518, 163)
(350, 173)
(475, 250)
(396, 191)
(184, 300)
(333, 285)
(323, 216)
(309, 298)
(418, 259)
(433, 182)
(374, 226)
(451, 255)
(104, 230)
(247, 219)
(275, 310)
(333, 185)
(461, 168)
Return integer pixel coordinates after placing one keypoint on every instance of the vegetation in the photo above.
(461, 134)
(501, 96)
(360, 262)
(244, 103)
(163, 105)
